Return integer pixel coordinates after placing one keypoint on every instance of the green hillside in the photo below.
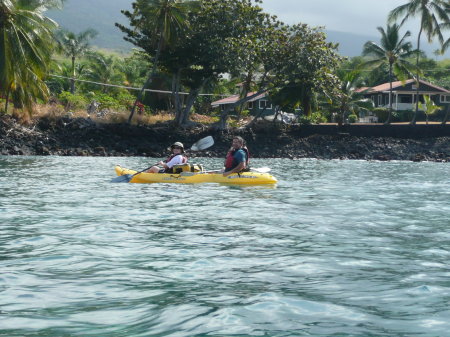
(101, 15)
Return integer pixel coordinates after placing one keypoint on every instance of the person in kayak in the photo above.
(177, 157)
(237, 159)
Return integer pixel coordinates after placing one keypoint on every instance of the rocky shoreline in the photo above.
(84, 137)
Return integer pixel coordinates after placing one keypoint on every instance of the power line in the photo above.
(442, 70)
(133, 88)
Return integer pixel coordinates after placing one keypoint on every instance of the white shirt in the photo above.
(178, 159)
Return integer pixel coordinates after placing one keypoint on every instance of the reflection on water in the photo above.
(336, 248)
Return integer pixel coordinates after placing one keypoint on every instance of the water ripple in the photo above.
(348, 248)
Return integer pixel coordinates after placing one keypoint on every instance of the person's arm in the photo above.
(174, 161)
(237, 169)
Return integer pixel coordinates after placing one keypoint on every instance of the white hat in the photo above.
(176, 144)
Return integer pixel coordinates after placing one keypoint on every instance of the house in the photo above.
(404, 94)
(255, 105)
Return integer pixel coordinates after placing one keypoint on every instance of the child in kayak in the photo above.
(177, 157)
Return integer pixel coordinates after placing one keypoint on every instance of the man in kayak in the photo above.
(237, 157)
(177, 157)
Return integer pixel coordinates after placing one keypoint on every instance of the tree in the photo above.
(392, 51)
(226, 37)
(58, 83)
(306, 67)
(27, 43)
(429, 107)
(434, 18)
(156, 23)
(75, 46)
(135, 68)
(349, 99)
(103, 69)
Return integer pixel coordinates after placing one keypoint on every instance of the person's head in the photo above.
(238, 142)
(177, 147)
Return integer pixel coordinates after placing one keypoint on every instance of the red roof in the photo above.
(386, 86)
(235, 98)
(399, 84)
(362, 89)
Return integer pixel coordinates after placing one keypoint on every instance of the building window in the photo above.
(380, 97)
(405, 99)
(250, 105)
(265, 104)
(445, 98)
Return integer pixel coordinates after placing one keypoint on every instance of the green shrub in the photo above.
(304, 120)
(126, 100)
(318, 117)
(382, 114)
(245, 113)
(108, 102)
(72, 101)
(404, 115)
(352, 118)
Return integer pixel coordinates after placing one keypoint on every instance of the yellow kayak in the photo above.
(244, 178)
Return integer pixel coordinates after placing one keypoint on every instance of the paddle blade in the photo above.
(122, 179)
(203, 144)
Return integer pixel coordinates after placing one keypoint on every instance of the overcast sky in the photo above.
(354, 16)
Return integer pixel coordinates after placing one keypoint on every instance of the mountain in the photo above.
(349, 44)
(101, 15)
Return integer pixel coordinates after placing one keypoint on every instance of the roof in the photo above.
(235, 98)
(362, 89)
(400, 84)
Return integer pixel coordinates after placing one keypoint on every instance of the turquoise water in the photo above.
(338, 248)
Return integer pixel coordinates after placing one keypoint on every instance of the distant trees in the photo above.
(156, 23)
(74, 46)
(186, 47)
(104, 69)
(231, 36)
(392, 51)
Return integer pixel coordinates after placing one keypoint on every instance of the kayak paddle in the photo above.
(252, 169)
(200, 145)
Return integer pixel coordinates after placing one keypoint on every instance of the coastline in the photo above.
(84, 137)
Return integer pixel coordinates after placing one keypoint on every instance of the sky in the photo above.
(352, 16)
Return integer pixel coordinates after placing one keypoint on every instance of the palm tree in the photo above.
(103, 68)
(165, 19)
(134, 68)
(27, 43)
(74, 46)
(351, 100)
(392, 51)
(429, 107)
(434, 18)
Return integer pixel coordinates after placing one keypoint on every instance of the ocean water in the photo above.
(337, 248)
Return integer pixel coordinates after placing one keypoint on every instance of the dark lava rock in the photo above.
(83, 137)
